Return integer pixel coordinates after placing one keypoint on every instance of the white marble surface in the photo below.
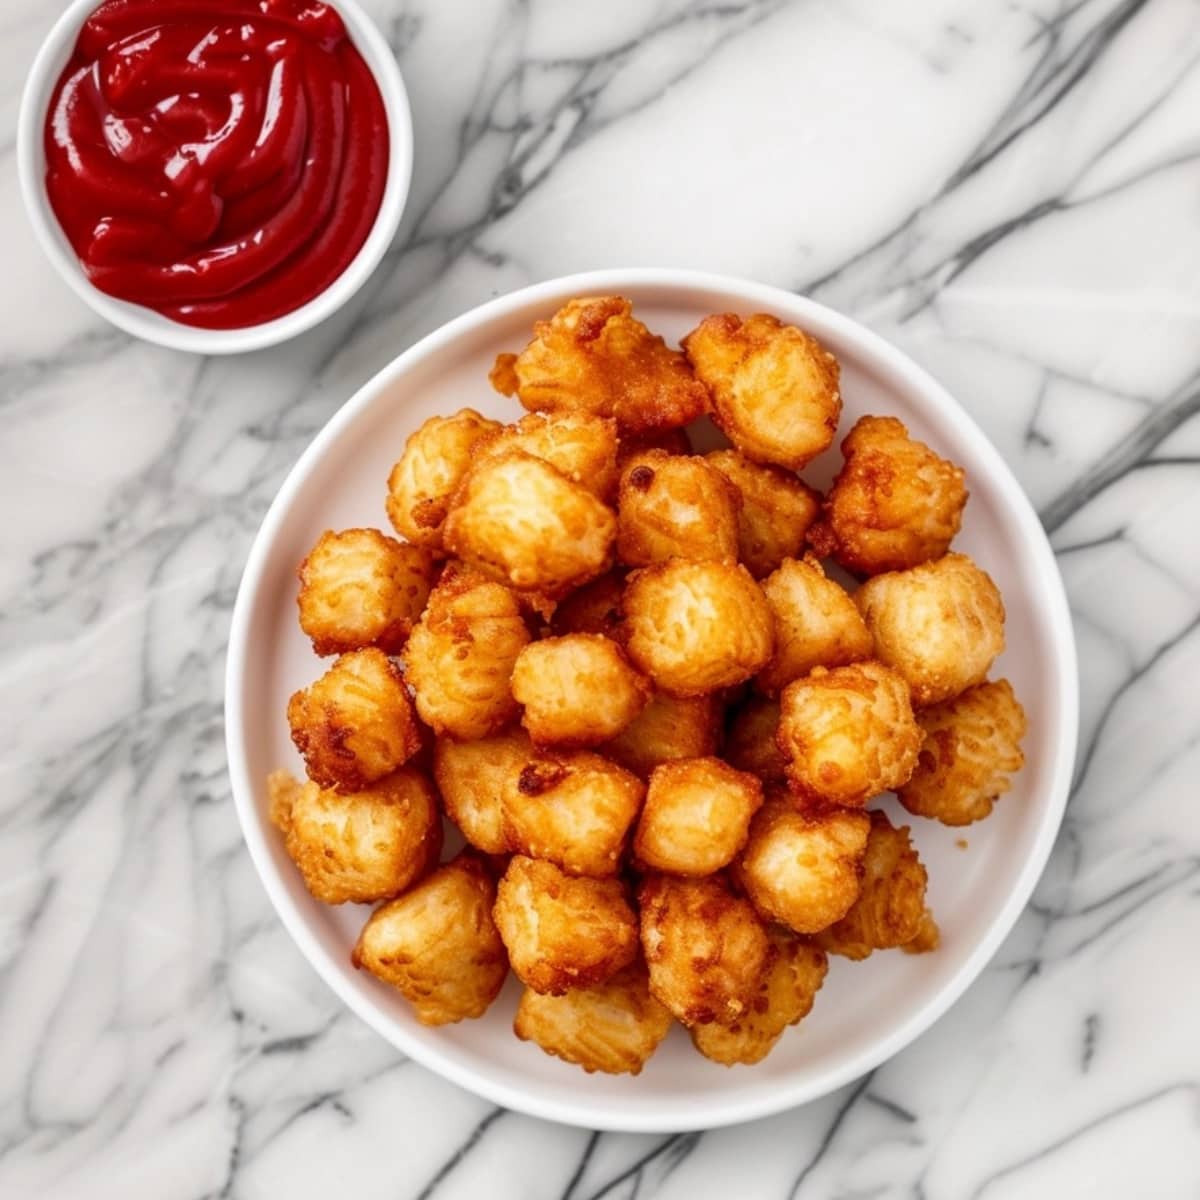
(1010, 189)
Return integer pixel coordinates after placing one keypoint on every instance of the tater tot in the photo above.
(434, 462)
(675, 507)
(612, 1027)
(784, 998)
(750, 743)
(359, 588)
(460, 657)
(972, 745)
(473, 778)
(803, 869)
(894, 503)
(594, 608)
(580, 446)
(356, 723)
(577, 690)
(696, 816)
(521, 519)
(697, 627)
(560, 930)
(775, 514)
(363, 846)
(940, 625)
(666, 729)
(848, 733)
(437, 945)
(774, 388)
(706, 949)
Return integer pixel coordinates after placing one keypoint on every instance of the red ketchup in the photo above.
(219, 161)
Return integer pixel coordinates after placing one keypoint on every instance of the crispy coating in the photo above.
(612, 1027)
(594, 608)
(928, 936)
(459, 659)
(356, 723)
(890, 909)
(972, 745)
(437, 944)
(673, 441)
(594, 356)
(580, 446)
(706, 949)
(774, 388)
(573, 809)
(473, 778)
(750, 743)
(776, 511)
(360, 847)
(894, 503)
(848, 733)
(578, 690)
(522, 520)
(359, 588)
(563, 931)
(785, 998)
(696, 817)
(666, 729)
(697, 627)
(816, 624)
(675, 507)
(434, 462)
(803, 868)
(940, 625)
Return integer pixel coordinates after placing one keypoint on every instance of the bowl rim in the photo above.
(717, 1112)
(145, 323)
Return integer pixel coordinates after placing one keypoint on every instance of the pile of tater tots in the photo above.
(620, 670)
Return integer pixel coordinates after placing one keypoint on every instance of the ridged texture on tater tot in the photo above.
(561, 930)
(612, 1027)
(356, 723)
(472, 778)
(750, 743)
(972, 745)
(580, 446)
(577, 690)
(594, 608)
(940, 625)
(774, 387)
(696, 816)
(437, 945)
(666, 729)
(697, 627)
(594, 356)
(434, 462)
(706, 949)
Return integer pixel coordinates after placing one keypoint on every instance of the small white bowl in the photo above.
(144, 322)
(866, 1011)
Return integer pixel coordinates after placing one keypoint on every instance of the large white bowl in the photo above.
(866, 1011)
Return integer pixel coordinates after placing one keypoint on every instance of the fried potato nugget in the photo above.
(774, 388)
(816, 624)
(750, 743)
(573, 809)
(473, 778)
(890, 909)
(666, 729)
(894, 503)
(775, 514)
(612, 1027)
(360, 847)
(460, 657)
(580, 446)
(697, 627)
(940, 625)
(696, 817)
(594, 356)
(521, 519)
(437, 944)
(563, 931)
(434, 462)
(972, 745)
(356, 723)
(803, 869)
(785, 998)
(848, 733)
(578, 690)
(674, 507)
(359, 588)
(593, 608)
(706, 949)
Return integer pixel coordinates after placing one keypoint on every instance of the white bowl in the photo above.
(144, 322)
(866, 1011)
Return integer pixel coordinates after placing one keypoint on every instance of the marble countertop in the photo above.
(1008, 189)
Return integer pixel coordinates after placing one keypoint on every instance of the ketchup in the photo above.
(219, 161)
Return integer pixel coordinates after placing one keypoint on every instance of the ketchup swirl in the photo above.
(219, 161)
